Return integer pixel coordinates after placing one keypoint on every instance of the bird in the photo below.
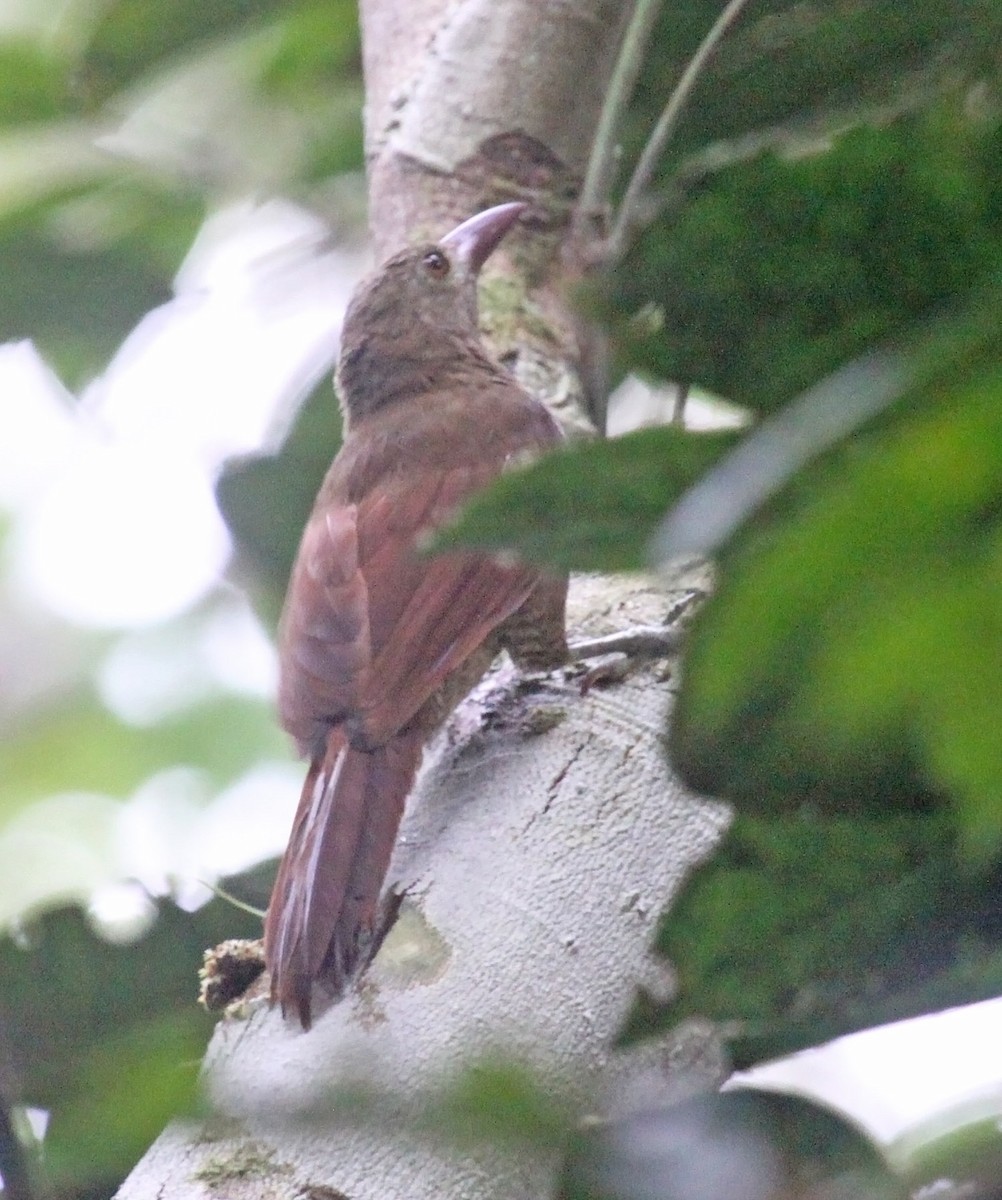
(379, 642)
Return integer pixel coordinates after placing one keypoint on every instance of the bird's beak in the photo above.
(473, 242)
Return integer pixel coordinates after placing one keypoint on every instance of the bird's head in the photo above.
(417, 311)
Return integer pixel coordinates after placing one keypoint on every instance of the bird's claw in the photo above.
(605, 670)
(616, 654)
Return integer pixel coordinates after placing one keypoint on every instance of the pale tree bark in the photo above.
(473, 102)
(545, 833)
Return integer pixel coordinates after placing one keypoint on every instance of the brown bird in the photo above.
(377, 643)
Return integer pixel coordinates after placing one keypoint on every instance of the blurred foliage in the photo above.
(83, 747)
(807, 927)
(89, 239)
(33, 83)
(793, 69)
(504, 1104)
(596, 505)
(106, 1037)
(316, 43)
(744, 1145)
(126, 45)
(78, 304)
(94, 222)
(266, 499)
(963, 1142)
(776, 270)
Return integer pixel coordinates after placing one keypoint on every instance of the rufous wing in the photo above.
(373, 627)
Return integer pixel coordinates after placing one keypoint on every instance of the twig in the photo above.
(14, 1160)
(598, 176)
(644, 641)
(665, 127)
(678, 406)
(223, 894)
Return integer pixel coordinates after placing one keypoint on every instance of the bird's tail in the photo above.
(323, 910)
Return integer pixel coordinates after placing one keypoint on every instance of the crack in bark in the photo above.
(553, 787)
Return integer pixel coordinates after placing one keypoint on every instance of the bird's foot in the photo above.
(605, 661)
(604, 670)
(612, 657)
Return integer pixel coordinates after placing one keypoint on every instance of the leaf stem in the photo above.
(598, 177)
(665, 127)
(229, 898)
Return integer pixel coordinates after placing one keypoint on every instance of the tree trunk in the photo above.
(475, 102)
(541, 843)
(545, 833)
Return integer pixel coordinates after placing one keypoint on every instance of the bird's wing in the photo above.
(324, 634)
(377, 628)
(426, 615)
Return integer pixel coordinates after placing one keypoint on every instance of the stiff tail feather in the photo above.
(326, 897)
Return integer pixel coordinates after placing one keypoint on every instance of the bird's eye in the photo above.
(436, 264)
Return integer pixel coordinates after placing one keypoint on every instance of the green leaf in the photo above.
(774, 272)
(962, 1143)
(850, 655)
(33, 83)
(318, 46)
(84, 261)
(315, 69)
(499, 1102)
(120, 1095)
(106, 1037)
(591, 507)
(804, 928)
(810, 66)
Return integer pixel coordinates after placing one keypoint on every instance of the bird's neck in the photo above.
(378, 371)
